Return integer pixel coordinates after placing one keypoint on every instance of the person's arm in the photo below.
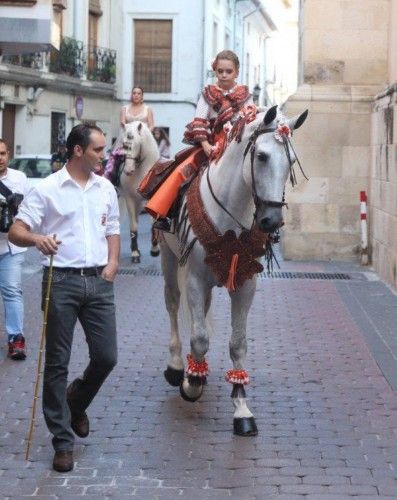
(198, 130)
(113, 238)
(110, 270)
(122, 117)
(150, 119)
(21, 235)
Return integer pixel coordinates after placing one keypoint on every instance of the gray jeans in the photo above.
(90, 300)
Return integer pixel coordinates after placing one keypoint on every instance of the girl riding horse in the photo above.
(218, 106)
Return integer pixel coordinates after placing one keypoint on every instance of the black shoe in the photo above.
(163, 224)
(79, 421)
(63, 461)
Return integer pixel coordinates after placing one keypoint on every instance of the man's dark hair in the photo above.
(5, 143)
(80, 136)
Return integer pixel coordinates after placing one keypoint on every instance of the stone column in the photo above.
(343, 66)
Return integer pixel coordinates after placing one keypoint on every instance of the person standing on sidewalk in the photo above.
(11, 256)
(81, 209)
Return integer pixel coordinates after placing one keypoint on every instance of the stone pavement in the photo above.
(322, 358)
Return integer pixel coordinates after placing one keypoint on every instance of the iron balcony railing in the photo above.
(153, 75)
(74, 59)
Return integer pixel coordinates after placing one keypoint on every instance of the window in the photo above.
(58, 127)
(93, 21)
(153, 55)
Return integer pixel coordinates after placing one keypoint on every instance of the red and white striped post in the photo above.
(364, 230)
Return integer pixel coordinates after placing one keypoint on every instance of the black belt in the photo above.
(83, 271)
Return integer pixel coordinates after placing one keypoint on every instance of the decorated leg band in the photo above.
(196, 368)
(237, 377)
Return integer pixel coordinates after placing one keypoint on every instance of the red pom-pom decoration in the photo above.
(237, 377)
(196, 368)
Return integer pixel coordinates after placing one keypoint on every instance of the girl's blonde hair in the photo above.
(226, 54)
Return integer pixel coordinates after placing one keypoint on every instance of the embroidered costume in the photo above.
(215, 109)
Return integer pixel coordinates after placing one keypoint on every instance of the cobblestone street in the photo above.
(322, 355)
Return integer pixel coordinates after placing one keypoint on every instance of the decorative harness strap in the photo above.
(232, 259)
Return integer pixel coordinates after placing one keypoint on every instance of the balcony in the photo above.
(73, 59)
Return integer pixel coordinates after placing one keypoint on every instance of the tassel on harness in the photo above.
(231, 280)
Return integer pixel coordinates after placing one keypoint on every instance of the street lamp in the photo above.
(256, 93)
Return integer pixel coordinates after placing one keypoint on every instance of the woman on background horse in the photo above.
(135, 111)
(219, 105)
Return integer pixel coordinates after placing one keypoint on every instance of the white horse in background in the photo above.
(244, 189)
(140, 150)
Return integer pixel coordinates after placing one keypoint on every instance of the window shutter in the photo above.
(153, 55)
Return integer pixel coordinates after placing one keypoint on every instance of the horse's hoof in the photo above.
(135, 259)
(245, 426)
(198, 389)
(174, 377)
(154, 253)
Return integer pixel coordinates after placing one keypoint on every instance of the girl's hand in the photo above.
(208, 149)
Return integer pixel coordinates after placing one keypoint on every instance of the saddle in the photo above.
(161, 170)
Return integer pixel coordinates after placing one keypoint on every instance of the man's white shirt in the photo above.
(79, 217)
(16, 182)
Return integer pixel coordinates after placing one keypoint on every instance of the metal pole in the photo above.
(42, 344)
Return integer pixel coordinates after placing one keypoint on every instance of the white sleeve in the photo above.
(31, 210)
(113, 219)
(202, 109)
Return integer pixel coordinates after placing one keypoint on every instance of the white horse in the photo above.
(141, 153)
(245, 187)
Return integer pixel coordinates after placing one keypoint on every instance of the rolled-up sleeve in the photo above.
(31, 210)
(113, 219)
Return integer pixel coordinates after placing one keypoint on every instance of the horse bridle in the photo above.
(251, 147)
(137, 160)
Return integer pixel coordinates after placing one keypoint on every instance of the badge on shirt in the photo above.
(103, 220)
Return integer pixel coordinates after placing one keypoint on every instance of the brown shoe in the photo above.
(63, 461)
(79, 421)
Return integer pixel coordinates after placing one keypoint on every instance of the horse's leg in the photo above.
(199, 301)
(133, 217)
(169, 263)
(243, 420)
(155, 249)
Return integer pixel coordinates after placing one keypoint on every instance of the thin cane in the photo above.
(42, 344)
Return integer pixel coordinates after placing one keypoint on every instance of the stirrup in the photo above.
(163, 224)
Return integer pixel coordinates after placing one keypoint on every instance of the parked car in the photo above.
(35, 167)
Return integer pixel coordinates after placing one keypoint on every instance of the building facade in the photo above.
(167, 49)
(44, 94)
(383, 166)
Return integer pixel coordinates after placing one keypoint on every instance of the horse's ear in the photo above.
(270, 115)
(140, 127)
(297, 121)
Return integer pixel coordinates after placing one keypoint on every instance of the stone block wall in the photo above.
(383, 191)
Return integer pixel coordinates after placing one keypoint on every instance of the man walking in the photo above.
(81, 209)
(11, 257)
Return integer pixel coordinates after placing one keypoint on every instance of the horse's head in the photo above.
(268, 163)
(132, 146)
